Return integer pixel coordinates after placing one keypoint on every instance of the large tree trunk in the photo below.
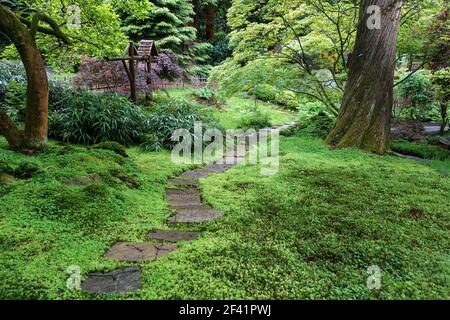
(210, 21)
(197, 13)
(34, 135)
(365, 115)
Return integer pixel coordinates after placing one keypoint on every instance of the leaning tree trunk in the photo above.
(210, 21)
(365, 115)
(34, 135)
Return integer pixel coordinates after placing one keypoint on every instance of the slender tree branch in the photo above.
(409, 75)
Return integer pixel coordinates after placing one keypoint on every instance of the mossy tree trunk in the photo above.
(365, 115)
(34, 134)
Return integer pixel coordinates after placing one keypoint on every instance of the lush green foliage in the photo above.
(418, 28)
(173, 114)
(318, 125)
(416, 94)
(233, 109)
(206, 94)
(13, 90)
(269, 93)
(420, 150)
(14, 101)
(90, 118)
(253, 118)
(441, 82)
(71, 211)
(306, 233)
(168, 23)
(10, 71)
(219, 50)
(99, 33)
(311, 231)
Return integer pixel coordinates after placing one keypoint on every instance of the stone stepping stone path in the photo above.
(185, 199)
(138, 252)
(195, 216)
(184, 182)
(173, 236)
(118, 281)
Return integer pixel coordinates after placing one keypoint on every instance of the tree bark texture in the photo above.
(34, 134)
(365, 115)
(210, 21)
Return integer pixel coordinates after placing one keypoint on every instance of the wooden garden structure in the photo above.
(133, 57)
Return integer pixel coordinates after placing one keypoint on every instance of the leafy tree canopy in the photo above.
(92, 25)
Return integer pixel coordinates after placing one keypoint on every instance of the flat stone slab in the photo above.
(183, 196)
(195, 216)
(219, 167)
(196, 174)
(138, 252)
(182, 192)
(186, 207)
(173, 236)
(118, 281)
(184, 182)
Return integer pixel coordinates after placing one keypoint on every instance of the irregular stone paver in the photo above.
(117, 281)
(218, 167)
(176, 202)
(196, 174)
(195, 216)
(184, 182)
(183, 196)
(173, 236)
(183, 192)
(138, 252)
(186, 207)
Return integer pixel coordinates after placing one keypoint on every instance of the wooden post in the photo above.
(132, 72)
(134, 58)
(149, 67)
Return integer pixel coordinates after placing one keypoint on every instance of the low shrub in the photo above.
(206, 94)
(264, 92)
(416, 97)
(14, 101)
(151, 142)
(90, 118)
(59, 92)
(13, 85)
(288, 99)
(219, 50)
(318, 126)
(421, 150)
(271, 94)
(10, 71)
(171, 115)
(254, 118)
